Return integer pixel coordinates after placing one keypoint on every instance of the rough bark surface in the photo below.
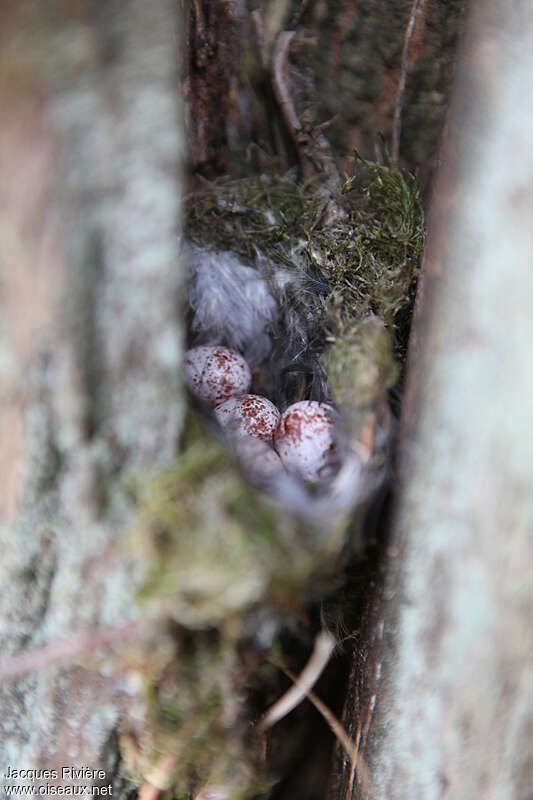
(441, 702)
(89, 345)
(341, 68)
(210, 65)
(360, 44)
(341, 65)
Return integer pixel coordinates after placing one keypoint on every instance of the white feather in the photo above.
(231, 302)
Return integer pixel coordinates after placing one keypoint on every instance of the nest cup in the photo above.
(275, 318)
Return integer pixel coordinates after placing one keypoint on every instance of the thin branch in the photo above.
(61, 650)
(359, 768)
(398, 108)
(324, 645)
(334, 723)
(258, 25)
(281, 82)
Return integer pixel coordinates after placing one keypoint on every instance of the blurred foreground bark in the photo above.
(89, 346)
(441, 697)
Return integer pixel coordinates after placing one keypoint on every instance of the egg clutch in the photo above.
(257, 368)
(302, 439)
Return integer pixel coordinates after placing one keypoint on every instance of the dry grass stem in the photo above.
(398, 107)
(324, 646)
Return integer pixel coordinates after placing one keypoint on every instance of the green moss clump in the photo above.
(214, 546)
(361, 357)
(267, 212)
(372, 256)
(195, 732)
(197, 713)
(368, 249)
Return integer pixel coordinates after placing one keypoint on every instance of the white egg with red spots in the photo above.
(216, 373)
(195, 361)
(248, 415)
(305, 440)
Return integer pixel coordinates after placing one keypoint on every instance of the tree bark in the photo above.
(441, 701)
(90, 344)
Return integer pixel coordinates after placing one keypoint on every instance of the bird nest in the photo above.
(314, 290)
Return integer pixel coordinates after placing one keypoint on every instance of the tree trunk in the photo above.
(441, 696)
(90, 344)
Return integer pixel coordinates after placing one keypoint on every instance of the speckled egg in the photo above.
(248, 415)
(259, 461)
(305, 439)
(216, 373)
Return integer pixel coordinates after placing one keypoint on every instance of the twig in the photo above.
(335, 724)
(281, 86)
(320, 656)
(350, 747)
(258, 25)
(398, 107)
(324, 646)
(64, 649)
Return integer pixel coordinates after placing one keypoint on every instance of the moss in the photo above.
(374, 254)
(362, 358)
(268, 212)
(195, 712)
(215, 548)
(203, 562)
(369, 253)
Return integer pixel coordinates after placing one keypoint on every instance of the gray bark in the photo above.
(441, 703)
(90, 346)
